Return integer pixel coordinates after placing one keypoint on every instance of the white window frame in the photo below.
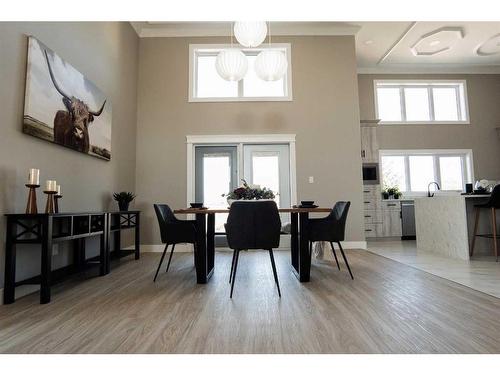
(429, 84)
(465, 154)
(197, 49)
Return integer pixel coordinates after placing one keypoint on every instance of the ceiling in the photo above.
(381, 47)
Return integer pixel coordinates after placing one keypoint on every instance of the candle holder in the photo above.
(31, 207)
(49, 207)
(56, 202)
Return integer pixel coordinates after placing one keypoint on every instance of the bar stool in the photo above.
(493, 204)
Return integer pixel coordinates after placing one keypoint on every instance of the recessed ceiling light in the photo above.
(368, 42)
(434, 43)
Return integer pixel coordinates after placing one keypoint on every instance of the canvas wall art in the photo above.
(64, 107)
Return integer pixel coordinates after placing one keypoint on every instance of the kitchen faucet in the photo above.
(429, 188)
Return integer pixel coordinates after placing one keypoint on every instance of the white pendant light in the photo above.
(271, 65)
(231, 64)
(250, 34)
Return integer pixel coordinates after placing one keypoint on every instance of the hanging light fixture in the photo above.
(231, 63)
(250, 34)
(270, 64)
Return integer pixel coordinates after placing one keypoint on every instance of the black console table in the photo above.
(47, 229)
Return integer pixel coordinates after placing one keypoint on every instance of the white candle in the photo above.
(59, 190)
(50, 185)
(34, 177)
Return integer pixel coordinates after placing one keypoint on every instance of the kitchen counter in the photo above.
(444, 225)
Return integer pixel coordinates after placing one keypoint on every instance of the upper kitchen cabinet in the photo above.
(369, 144)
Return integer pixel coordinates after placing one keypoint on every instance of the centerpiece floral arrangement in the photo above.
(249, 192)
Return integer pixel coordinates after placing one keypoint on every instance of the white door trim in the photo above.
(193, 140)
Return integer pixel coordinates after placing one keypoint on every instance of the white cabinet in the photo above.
(391, 223)
(369, 144)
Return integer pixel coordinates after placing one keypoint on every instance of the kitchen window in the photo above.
(205, 84)
(412, 170)
(421, 102)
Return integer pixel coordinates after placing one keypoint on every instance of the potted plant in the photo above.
(123, 198)
(394, 192)
(249, 192)
(385, 194)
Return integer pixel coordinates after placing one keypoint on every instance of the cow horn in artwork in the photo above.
(99, 111)
(54, 80)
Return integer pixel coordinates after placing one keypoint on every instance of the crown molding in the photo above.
(199, 29)
(430, 69)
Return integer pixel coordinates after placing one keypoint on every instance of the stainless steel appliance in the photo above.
(370, 174)
(408, 220)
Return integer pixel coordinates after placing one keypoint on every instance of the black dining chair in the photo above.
(253, 225)
(493, 205)
(173, 231)
(331, 229)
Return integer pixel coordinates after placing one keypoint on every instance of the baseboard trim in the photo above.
(187, 248)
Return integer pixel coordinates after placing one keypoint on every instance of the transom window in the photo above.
(412, 170)
(421, 102)
(205, 84)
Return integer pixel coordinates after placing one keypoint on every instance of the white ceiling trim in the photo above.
(430, 69)
(200, 29)
(396, 43)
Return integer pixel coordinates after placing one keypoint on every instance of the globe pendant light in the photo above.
(271, 65)
(231, 64)
(250, 34)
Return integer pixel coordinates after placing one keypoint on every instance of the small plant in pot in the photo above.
(394, 192)
(123, 198)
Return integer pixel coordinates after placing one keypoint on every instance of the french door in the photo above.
(220, 168)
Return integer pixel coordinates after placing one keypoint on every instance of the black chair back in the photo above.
(253, 225)
(338, 217)
(495, 197)
(165, 216)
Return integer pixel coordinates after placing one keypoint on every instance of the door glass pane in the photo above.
(253, 86)
(450, 168)
(445, 104)
(393, 172)
(389, 104)
(421, 172)
(210, 84)
(266, 171)
(417, 104)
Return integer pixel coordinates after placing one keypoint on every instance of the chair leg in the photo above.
(170, 258)
(335, 255)
(274, 271)
(345, 260)
(161, 261)
(494, 224)
(232, 266)
(473, 242)
(234, 272)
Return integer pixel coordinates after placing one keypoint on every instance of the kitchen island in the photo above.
(445, 223)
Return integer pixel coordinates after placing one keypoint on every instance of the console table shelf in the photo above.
(47, 229)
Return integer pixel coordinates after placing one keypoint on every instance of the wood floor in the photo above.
(388, 308)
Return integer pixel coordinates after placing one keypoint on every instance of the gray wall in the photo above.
(107, 53)
(324, 114)
(480, 136)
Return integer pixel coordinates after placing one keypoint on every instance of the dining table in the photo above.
(204, 256)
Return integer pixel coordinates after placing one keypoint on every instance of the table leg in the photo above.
(46, 259)
(294, 242)
(210, 244)
(137, 236)
(10, 264)
(202, 272)
(117, 243)
(304, 256)
(103, 251)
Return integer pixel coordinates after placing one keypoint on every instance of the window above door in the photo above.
(421, 101)
(205, 84)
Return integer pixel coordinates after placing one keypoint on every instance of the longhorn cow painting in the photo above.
(64, 107)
